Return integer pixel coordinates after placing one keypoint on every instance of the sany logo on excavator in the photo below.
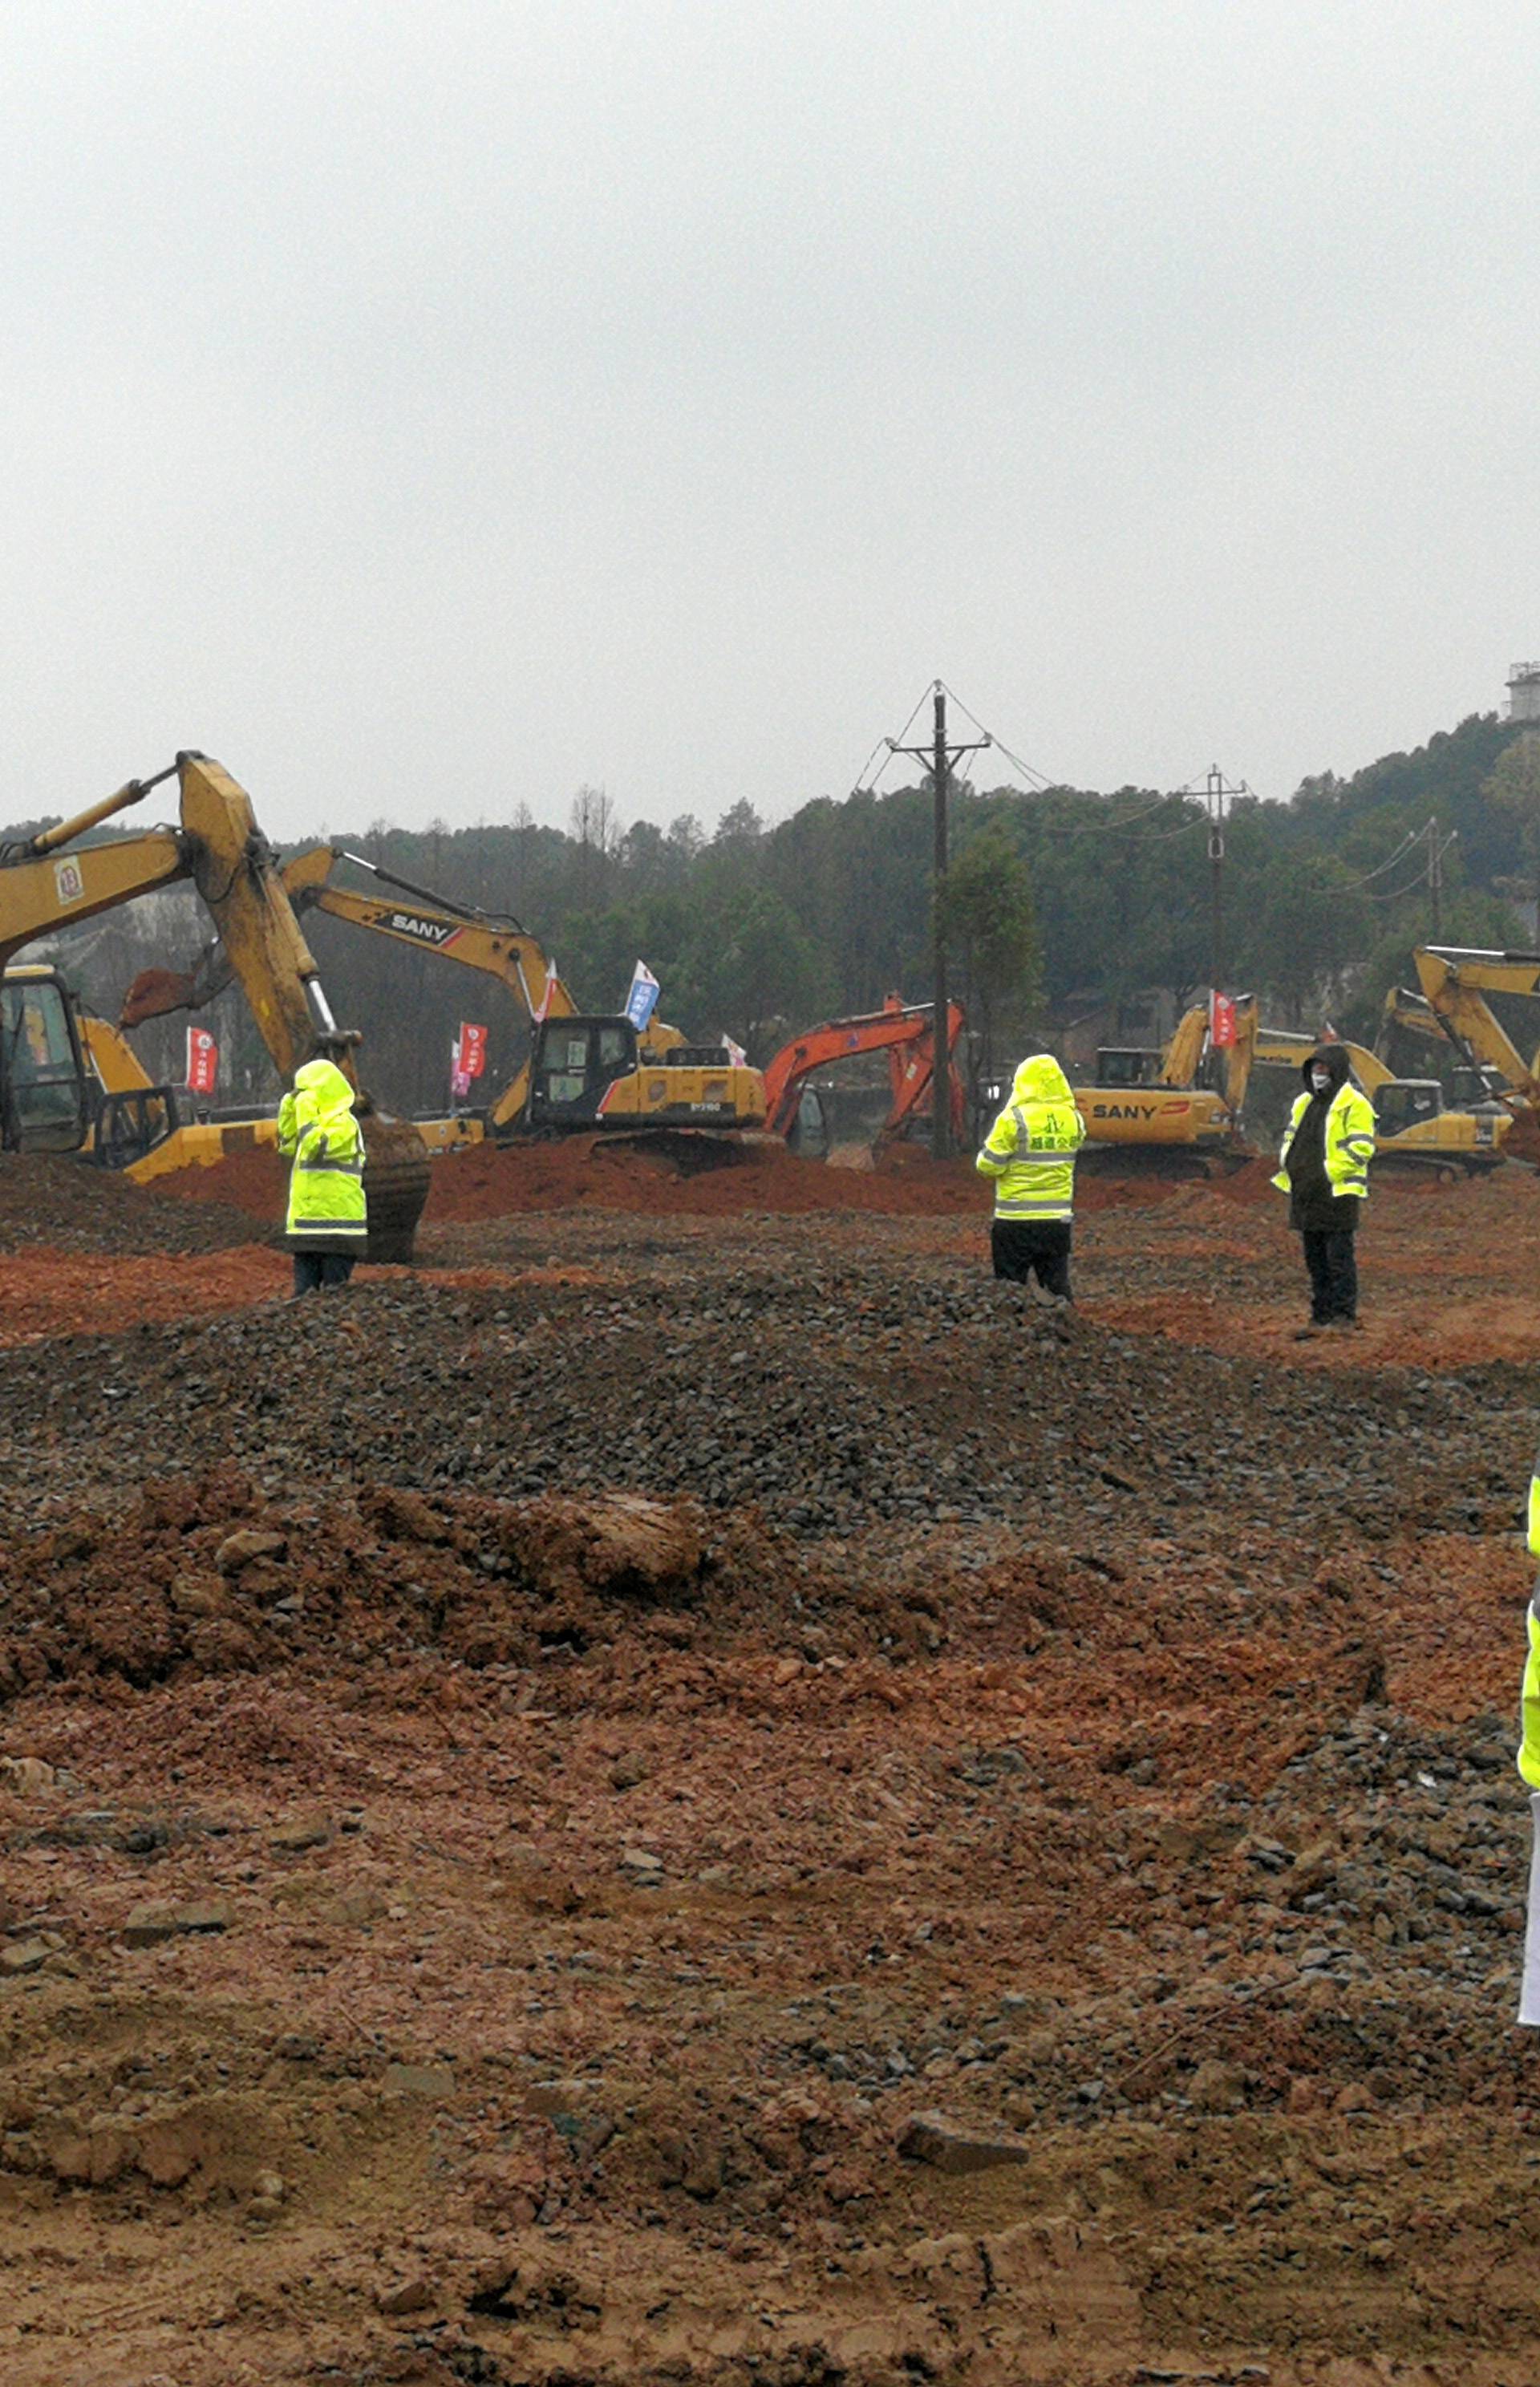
(437, 933)
(1138, 1110)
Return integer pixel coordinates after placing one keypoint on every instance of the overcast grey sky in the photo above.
(429, 409)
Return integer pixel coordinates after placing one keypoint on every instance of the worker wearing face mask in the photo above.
(1323, 1168)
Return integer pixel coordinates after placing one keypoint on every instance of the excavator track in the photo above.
(396, 1179)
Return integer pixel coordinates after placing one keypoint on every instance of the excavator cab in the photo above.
(46, 1099)
(1129, 1065)
(1406, 1102)
(574, 1064)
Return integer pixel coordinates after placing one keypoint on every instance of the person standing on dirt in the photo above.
(328, 1219)
(1323, 1168)
(1029, 1152)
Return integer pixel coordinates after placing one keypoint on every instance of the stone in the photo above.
(644, 1868)
(303, 1832)
(238, 1549)
(24, 1956)
(436, 2080)
(28, 1775)
(951, 2146)
(147, 1925)
(407, 2296)
(1216, 2087)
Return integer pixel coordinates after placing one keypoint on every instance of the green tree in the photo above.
(987, 918)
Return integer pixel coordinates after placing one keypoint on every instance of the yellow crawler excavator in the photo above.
(1413, 1124)
(1457, 982)
(70, 1083)
(586, 1072)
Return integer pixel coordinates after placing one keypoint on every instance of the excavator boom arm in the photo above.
(838, 1040)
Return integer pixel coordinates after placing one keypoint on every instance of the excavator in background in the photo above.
(68, 1084)
(586, 1072)
(904, 1031)
(1146, 1108)
(1456, 982)
(1413, 1122)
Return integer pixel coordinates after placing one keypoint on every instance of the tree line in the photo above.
(1056, 901)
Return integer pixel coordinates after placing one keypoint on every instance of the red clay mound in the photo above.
(492, 1183)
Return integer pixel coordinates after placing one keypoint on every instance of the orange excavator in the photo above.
(903, 1030)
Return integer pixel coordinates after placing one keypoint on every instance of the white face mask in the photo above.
(1319, 1081)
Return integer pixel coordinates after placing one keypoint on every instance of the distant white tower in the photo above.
(1523, 692)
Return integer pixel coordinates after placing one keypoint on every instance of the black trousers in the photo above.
(321, 1272)
(1021, 1251)
(1333, 1266)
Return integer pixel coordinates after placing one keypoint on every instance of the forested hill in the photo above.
(1058, 899)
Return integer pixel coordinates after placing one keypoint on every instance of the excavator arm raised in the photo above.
(899, 1028)
(48, 883)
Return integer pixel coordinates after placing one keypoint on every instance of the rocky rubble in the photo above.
(674, 1803)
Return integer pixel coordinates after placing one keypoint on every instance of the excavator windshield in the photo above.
(44, 1073)
(576, 1061)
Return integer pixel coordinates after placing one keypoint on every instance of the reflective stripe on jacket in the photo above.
(1349, 1141)
(317, 1125)
(1030, 1149)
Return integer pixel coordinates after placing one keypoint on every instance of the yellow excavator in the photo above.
(1413, 1124)
(1456, 982)
(70, 1083)
(586, 1072)
(1147, 1106)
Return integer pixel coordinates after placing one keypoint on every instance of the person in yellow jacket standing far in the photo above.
(1323, 1168)
(1029, 1152)
(328, 1221)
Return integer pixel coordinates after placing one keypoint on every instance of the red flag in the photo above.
(473, 1049)
(203, 1062)
(1221, 1020)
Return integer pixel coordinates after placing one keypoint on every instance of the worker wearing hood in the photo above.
(1029, 1152)
(1323, 1168)
(328, 1221)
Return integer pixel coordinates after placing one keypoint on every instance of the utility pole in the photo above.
(940, 757)
(1215, 795)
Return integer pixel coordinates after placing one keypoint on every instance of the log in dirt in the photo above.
(693, 1793)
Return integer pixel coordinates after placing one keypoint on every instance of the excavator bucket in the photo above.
(396, 1175)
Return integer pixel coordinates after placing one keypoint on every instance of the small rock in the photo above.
(26, 1773)
(407, 2296)
(304, 1831)
(147, 1925)
(644, 1868)
(237, 1550)
(418, 2080)
(949, 2146)
(24, 1956)
(626, 1773)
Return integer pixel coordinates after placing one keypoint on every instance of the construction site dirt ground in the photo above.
(694, 1791)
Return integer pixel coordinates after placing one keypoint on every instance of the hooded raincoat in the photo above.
(1330, 1140)
(1030, 1149)
(317, 1125)
(1529, 1739)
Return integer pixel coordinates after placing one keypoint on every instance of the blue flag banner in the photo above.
(642, 1000)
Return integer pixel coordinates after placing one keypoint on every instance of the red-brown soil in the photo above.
(522, 1785)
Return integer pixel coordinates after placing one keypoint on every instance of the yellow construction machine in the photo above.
(1413, 1122)
(586, 1071)
(1456, 980)
(1147, 1108)
(70, 1083)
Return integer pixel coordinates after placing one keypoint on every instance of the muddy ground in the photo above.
(694, 1792)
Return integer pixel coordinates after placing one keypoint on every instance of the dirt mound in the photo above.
(67, 1205)
(490, 1182)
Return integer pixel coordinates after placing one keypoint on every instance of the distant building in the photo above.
(1523, 692)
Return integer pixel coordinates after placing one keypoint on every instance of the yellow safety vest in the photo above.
(1030, 1149)
(1349, 1141)
(317, 1125)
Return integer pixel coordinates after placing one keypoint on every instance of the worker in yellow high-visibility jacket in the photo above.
(1029, 1152)
(1323, 1168)
(327, 1228)
(1529, 1718)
